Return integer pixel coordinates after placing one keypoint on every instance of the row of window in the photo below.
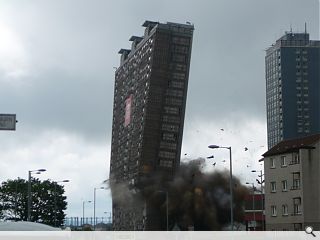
(181, 40)
(171, 119)
(284, 184)
(284, 208)
(170, 128)
(174, 93)
(165, 163)
(168, 145)
(166, 154)
(174, 101)
(171, 110)
(283, 161)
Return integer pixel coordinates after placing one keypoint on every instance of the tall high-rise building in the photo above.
(148, 115)
(293, 87)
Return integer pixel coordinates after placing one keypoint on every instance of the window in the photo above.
(174, 101)
(273, 186)
(166, 154)
(176, 84)
(295, 158)
(178, 76)
(179, 58)
(171, 146)
(283, 161)
(171, 110)
(296, 180)
(273, 211)
(165, 163)
(284, 185)
(170, 127)
(272, 163)
(285, 210)
(297, 206)
(168, 118)
(169, 136)
(174, 93)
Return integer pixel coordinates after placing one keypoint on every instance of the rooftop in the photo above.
(293, 145)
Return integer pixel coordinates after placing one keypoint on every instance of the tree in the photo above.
(48, 202)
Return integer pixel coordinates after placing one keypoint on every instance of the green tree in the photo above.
(48, 202)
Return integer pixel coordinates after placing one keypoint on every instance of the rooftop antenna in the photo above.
(290, 27)
(305, 27)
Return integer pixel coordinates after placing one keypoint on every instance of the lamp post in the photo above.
(55, 200)
(94, 205)
(253, 208)
(29, 190)
(261, 192)
(83, 202)
(167, 207)
(231, 182)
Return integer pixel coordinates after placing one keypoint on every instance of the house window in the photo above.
(273, 211)
(272, 163)
(284, 185)
(296, 180)
(297, 206)
(283, 161)
(273, 186)
(285, 210)
(295, 158)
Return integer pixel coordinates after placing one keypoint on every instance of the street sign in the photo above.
(8, 122)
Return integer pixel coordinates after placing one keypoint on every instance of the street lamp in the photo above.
(83, 202)
(261, 192)
(94, 205)
(231, 183)
(254, 213)
(55, 200)
(29, 190)
(167, 206)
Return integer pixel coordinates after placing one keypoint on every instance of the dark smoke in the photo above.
(197, 200)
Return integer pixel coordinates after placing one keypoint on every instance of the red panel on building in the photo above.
(127, 116)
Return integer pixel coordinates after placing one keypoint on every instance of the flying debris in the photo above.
(214, 164)
(221, 129)
(259, 181)
(223, 160)
(248, 165)
(185, 154)
(210, 157)
(245, 149)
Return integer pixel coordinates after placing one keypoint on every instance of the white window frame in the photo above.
(272, 163)
(273, 210)
(285, 210)
(284, 185)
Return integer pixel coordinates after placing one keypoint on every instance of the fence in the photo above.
(79, 221)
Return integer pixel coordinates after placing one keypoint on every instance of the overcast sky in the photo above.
(57, 60)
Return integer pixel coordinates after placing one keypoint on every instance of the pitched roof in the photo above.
(293, 145)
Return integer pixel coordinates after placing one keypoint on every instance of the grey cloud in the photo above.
(73, 46)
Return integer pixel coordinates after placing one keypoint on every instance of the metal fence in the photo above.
(79, 221)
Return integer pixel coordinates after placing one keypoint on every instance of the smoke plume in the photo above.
(196, 200)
